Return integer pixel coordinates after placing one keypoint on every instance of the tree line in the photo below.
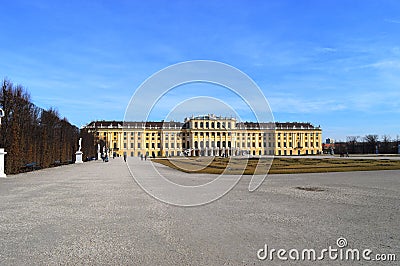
(369, 144)
(33, 136)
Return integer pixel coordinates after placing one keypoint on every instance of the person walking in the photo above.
(125, 157)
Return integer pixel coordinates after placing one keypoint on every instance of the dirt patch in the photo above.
(313, 189)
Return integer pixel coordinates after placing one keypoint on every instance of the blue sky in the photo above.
(332, 63)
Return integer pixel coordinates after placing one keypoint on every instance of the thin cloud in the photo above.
(326, 49)
(289, 103)
(380, 65)
(392, 21)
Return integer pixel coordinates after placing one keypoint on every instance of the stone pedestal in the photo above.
(2, 154)
(78, 157)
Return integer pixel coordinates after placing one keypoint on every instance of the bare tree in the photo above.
(386, 144)
(31, 134)
(352, 143)
(371, 142)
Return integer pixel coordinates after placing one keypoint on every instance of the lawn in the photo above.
(249, 166)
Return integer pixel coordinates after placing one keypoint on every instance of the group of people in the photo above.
(104, 157)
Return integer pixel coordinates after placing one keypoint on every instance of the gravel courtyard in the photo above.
(95, 213)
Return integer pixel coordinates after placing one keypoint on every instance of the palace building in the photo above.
(207, 135)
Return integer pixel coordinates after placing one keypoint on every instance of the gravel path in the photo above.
(95, 213)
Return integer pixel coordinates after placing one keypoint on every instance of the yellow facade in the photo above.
(301, 140)
(208, 135)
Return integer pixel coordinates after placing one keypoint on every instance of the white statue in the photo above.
(80, 144)
(1, 114)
